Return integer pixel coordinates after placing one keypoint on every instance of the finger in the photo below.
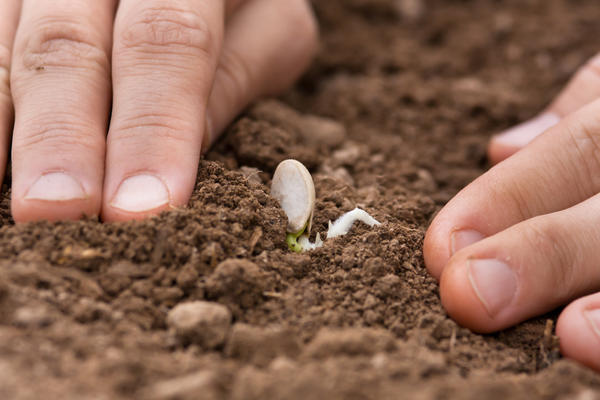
(558, 170)
(61, 89)
(165, 55)
(578, 329)
(268, 44)
(231, 6)
(581, 90)
(9, 14)
(525, 270)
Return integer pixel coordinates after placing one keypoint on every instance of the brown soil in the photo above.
(411, 91)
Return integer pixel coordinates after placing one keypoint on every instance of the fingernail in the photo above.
(141, 193)
(593, 317)
(463, 238)
(494, 282)
(522, 134)
(56, 186)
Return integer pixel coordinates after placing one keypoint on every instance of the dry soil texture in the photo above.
(410, 92)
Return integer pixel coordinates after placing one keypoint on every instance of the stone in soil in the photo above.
(200, 322)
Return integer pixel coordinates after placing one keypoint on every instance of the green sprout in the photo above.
(292, 240)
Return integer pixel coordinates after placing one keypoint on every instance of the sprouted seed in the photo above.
(293, 187)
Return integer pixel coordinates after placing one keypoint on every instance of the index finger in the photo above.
(164, 59)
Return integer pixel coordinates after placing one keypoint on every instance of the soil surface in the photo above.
(206, 302)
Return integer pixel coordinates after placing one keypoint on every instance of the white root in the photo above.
(340, 227)
(307, 245)
(343, 224)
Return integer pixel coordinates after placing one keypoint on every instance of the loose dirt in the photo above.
(393, 117)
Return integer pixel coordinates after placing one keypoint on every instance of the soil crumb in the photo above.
(206, 302)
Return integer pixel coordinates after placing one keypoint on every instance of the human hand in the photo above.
(177, 72)
(524, 238)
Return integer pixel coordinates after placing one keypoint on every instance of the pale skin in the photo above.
(107, 106)
(114, 101)
(524, 238)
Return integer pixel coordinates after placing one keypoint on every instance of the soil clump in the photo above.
(393, 117)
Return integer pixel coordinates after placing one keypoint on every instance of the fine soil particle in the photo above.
(393, 117)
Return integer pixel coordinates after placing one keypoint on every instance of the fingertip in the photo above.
(507, 143)
(447, 234)
(498, 151)
(579, 333)
(145, 194)
(112, 214)
(460, 299)
(435, 249)
(40, 210)
(53, 196)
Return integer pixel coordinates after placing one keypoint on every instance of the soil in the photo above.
(393, 117)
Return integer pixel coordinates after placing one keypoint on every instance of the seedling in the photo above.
(293, 187)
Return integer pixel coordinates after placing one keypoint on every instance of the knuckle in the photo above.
(160, 30)
(521, 201)
(558, 256)
(164, 129)
(585, 142)
(57, 137)
(515, 194)
(63, 44)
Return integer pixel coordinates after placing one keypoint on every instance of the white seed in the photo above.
(293, 187)
(342, 225)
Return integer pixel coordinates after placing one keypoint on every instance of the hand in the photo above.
(177, 72)
(524, 238)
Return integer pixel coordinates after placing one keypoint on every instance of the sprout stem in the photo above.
(292, 241)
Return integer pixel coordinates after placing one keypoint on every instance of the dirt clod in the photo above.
(261, 345)
(351, 342)
(239, 283)
(394, 116)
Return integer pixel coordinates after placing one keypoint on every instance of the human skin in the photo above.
(524, 238)
(114, 101)
(167, 77)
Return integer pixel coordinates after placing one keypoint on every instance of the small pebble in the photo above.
(347, 155)
(201, 384)
(411, 10)
(199, 322)
(32, 317)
